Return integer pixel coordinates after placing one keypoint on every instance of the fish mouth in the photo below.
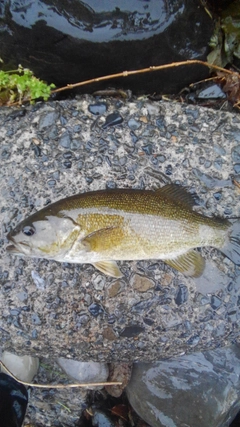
(11, 249)
(16, 248)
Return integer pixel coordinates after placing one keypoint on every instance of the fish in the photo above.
(105, 226)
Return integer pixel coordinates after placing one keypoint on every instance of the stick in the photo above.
(142, 71)
(59, 386)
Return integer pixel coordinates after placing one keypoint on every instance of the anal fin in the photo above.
(190, 264)
(108, 267)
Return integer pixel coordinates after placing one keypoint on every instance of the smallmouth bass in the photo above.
(102, 227)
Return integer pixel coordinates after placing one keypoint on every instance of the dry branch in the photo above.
(74, 385)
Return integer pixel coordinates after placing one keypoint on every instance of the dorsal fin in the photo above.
(178, 194)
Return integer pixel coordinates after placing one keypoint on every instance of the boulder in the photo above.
(200, 389)
(67, 42)
(53, 150)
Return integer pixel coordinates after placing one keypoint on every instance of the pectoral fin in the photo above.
(104, 239)
(108, 267)
(190, 264)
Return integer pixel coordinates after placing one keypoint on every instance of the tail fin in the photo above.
(232, 245)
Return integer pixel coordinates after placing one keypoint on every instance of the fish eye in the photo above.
(28, 230)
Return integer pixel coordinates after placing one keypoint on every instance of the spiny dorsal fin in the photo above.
(178, 194)
(190, 264)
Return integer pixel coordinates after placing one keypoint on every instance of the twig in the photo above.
(142, 71)
(59, 386)
(236, 183)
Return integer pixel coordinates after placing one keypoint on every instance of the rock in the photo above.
(84, 372)
(201, 389)
(73, 310)
(68, 42)
(120, 372)
(141, 283)
(22, 367)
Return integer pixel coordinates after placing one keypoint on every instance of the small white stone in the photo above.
(22, 367)
(84, 372)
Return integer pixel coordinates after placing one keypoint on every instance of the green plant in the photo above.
(21, 85)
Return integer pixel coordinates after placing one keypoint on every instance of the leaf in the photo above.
(121, 411)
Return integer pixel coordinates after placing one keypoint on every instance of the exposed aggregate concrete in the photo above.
(56, 149)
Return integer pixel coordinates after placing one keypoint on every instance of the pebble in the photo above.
(148, 149)
(237, 168)
(65, 140)
(36, 319)
(132, 331)
(112, 120)
(84, 372)
(48, 119)
(113, 289)
(23, 367)
(39, 281)
(98, 108)
(141, 283)
(95, 309)
(236, 154)
(182, 295)
(134, 124)
(98, 282)
(168, 170)
(217, 195)
(67, 164)
(215, 302)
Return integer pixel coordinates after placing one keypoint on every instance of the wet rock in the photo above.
(84, 372)
(173, 392)
(213, 91)
(58, 36)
